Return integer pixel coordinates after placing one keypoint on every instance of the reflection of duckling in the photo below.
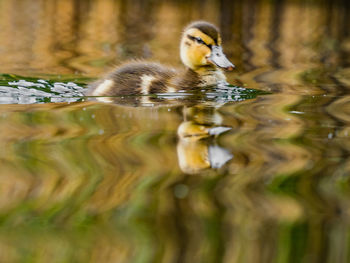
(201, 52)
(197, 148)
(195, 152)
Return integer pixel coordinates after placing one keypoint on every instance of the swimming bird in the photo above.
(201, 53)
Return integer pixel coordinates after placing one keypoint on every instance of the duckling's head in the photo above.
(201, 47)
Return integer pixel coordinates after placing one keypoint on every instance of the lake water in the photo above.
(229, 175)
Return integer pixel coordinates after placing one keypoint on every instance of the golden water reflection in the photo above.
(71, 191)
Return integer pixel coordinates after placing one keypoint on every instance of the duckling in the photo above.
(200, 52)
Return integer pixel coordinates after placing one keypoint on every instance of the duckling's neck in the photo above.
(209, 76)
(201, 77)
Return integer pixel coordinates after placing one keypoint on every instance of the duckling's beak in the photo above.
(218, 58)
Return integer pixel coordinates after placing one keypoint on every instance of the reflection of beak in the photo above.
(191, 131)
(218, 156)
(219, 59)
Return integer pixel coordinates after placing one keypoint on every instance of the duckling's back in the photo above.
(136, 78)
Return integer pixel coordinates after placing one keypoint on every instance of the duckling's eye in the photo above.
(199, 40)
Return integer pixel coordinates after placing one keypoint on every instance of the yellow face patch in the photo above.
(195, 54)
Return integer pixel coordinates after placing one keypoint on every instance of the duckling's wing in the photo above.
(138, 78)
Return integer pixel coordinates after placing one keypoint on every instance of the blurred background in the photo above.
(89, 36)
(265, 180)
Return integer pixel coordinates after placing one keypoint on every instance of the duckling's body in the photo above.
(201, 53)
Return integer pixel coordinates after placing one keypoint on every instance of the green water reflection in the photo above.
(101, 182)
